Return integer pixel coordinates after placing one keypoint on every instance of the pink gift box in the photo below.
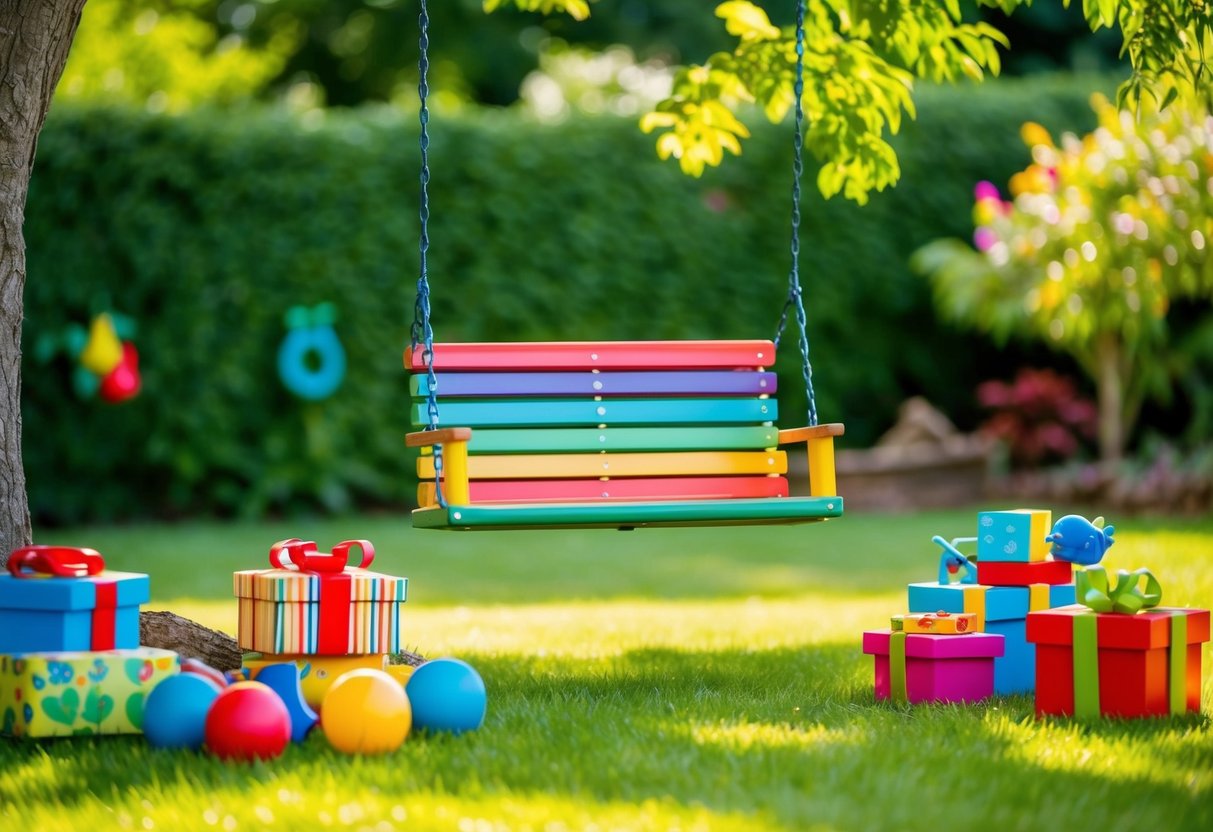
(939, 668)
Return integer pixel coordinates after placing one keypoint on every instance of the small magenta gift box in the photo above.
(1117, 653)
(923, 667)
(315, 603)
(63, 598)
(80, 693)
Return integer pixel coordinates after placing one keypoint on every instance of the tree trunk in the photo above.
(1110, 388)
(35, 36)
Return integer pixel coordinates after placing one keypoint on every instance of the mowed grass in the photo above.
(657, 679)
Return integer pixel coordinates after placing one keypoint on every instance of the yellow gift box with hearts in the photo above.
(80, 693)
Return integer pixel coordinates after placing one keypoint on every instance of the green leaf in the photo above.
(651, 121)
(746, 21)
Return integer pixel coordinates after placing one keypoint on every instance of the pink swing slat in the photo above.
(595, 355)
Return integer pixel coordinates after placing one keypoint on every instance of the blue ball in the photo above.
(174, 715)
(446, 695)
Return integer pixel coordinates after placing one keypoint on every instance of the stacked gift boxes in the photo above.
(315, 609)
(933, 657)
(1116, 652)
(70, 660)
(1014, 576)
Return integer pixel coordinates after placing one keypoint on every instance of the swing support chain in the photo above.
(795, 299)
(422, 331)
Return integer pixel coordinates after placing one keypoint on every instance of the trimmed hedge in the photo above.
(206, 228)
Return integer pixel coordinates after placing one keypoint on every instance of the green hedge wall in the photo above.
(206, 228)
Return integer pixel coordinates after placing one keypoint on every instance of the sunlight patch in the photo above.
(744, 736)
(1117, 755)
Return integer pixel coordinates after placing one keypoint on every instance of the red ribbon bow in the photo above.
(58, 561)
(303, 555)
(74, 562)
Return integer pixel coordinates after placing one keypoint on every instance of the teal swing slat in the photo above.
(592, 410)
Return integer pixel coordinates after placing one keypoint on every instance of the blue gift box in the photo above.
(58, 612)
(1015, 536)
(1004, 610)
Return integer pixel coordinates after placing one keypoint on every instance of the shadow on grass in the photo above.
(858, 553)
(787, 738)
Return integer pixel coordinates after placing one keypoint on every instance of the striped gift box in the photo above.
(314, 603)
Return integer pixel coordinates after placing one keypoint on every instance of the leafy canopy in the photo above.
(862, 58)
(164, 57)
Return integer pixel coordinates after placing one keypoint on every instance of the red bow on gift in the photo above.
(59, 561)
(303, 555)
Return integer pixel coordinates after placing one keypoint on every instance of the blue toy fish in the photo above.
(1080, 540)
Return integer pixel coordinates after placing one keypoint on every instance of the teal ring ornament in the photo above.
(312, 383)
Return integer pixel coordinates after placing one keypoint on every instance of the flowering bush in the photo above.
(1102, 233)
(1039, 416)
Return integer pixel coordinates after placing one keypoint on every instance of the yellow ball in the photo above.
(366, 712)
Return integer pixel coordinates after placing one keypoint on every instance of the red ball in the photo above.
(248, 721)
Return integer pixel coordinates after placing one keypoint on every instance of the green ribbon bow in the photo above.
(1126, 597)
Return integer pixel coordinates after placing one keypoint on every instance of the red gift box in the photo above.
(1090, 664)
(1006, 573)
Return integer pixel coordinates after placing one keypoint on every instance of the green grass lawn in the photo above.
(658, 679)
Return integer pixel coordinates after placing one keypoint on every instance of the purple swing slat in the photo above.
(707, 383)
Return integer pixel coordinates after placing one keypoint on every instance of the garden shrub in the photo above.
(206, 228)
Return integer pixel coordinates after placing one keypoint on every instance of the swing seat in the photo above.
(611, 435)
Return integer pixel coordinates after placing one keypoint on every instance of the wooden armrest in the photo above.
(441, 436)
(819, 440)
(815, 432)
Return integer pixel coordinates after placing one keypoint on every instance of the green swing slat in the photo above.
(584, 440)
(782, 510)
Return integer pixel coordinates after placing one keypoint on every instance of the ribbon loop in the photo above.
(1126, 597)
(303, 555)
(57, 561)
(342, 551)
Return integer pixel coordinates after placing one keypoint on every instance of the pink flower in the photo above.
(986, 190)
(984, 238)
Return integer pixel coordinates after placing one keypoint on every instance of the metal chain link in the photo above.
(422, 332)
(795, 299)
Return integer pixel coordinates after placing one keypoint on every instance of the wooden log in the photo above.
(169, 631)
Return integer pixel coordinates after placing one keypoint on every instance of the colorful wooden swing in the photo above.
(624, 434)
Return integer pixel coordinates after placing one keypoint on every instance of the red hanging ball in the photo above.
(123, 382)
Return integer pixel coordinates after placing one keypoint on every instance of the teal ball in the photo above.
(174, 715)
(447, 695)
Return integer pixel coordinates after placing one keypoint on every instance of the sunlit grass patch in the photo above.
(708, 680)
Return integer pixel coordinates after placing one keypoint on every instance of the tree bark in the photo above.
(170, 631)
(35, 36)
(1110, 389)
